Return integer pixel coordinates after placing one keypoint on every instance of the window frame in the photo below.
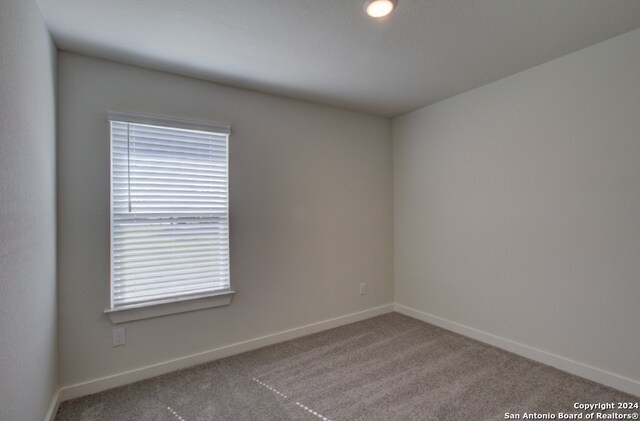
(174, 305)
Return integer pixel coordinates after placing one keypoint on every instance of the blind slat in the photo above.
(122, 153)
(171, 294)
(145, 290)
(164, 276)
(192, 263)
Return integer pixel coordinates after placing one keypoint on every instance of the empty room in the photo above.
(319, 210)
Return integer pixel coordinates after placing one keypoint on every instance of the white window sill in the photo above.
(147, 311)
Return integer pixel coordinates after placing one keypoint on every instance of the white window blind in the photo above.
(169, 210)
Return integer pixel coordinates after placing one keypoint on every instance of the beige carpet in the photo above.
(390, 367)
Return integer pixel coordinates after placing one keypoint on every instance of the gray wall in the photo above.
(517, 207)
(311, 214)
(28, 360)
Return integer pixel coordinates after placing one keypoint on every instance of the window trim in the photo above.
(165, 308)
(173, 305)
(178, 123)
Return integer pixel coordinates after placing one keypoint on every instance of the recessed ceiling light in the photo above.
(379, 8)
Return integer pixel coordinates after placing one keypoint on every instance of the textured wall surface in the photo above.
(517, 207)
(310, 205)
(28, 360)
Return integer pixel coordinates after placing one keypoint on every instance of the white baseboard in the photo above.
(120, 379)
(616, 381)
(53, 408)
(607, 378)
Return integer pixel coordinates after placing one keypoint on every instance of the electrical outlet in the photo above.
(363, 288)
(118, 338)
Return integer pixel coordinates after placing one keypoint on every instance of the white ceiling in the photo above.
(328, 51)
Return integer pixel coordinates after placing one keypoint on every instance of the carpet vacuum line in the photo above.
(282, 395)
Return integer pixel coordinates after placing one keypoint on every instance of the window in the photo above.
(169, 214)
